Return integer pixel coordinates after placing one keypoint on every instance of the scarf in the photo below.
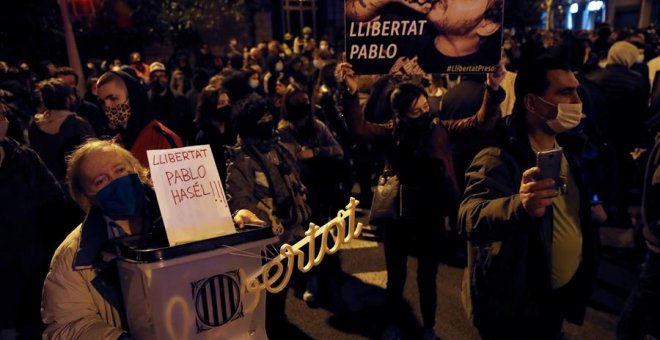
(287, 191)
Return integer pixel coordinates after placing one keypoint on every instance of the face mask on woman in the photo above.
(122, 197)
(419, 124)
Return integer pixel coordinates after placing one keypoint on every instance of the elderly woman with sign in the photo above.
(82, 295)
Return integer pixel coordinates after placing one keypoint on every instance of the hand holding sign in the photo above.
(495, 79)
(244, 216)
(344, 74)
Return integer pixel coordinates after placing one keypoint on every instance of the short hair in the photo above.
(54, 94)
(533, 78)
(404, 96)
(67, 71)
(76, 158)
(109, 77)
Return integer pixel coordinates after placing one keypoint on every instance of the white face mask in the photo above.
(279, 67)
(568, 116)
(254, 83)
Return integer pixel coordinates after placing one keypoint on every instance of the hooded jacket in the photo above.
(142, 132)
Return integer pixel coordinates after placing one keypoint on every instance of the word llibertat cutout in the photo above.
(274, 277)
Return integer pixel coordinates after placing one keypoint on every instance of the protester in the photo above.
(90, 111)
(215, 128)
(419, 155)
(325, 100)
(263, 179)
(140, 67)
(623, 91)
(642, 310)
(318, 155)
(57, 131)
(531, 250)
(304, 44)
(82, 296)
(31, 199)
(126, 106)
(170, 108)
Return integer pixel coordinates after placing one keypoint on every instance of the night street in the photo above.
(357, 311)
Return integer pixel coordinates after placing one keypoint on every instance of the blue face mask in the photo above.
(122, 197)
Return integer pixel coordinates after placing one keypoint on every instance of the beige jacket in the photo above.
(72, 306)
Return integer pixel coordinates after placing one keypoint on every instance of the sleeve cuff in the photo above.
(498, 94)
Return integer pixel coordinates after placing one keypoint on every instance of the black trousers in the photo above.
(546, 325)
(423, 239)
(641, 314)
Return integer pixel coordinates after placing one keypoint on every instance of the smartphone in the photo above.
(550, 164)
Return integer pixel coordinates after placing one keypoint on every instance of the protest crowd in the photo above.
(295, 133)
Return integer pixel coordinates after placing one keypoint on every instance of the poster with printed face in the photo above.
(423, 36)
(190, 194)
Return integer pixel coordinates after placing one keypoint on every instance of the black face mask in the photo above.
(261, 131)
(416, 125)
(265, 130)
(222, 113)
(299, 112)
(157, 87)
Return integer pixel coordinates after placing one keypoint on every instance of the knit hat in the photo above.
(622, 53)
(156, 66)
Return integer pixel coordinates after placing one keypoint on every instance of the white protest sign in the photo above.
(190, 194)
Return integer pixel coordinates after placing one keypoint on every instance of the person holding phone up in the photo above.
(531, 246)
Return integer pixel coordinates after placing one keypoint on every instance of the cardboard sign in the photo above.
(423, 36)
(190, 194)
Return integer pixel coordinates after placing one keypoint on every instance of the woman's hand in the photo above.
(244, 216)
(344, 74)
(495, 79)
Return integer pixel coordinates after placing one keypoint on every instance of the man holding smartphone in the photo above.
(531, 249)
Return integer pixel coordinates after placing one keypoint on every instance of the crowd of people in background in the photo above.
(288, 144)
